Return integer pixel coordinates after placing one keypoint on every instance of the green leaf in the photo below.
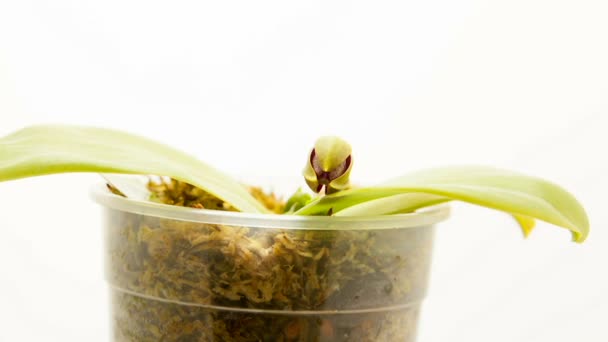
(296, 201)
(392, 204)
(524, 197)
(48, 149)
(412, 201)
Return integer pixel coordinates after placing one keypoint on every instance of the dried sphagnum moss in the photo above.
(187, 281)
(182, 194)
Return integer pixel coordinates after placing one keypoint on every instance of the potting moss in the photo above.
(189, 281)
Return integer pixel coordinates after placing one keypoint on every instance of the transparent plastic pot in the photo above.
(182, 274)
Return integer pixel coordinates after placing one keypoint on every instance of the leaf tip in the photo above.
(579, 237)
(526, 223)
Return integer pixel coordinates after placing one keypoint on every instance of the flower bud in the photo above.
(329, 165)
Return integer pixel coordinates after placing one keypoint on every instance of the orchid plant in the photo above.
(49, 149)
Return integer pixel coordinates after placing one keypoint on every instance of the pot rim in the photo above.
(422, 217)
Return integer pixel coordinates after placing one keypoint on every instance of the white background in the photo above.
(248, 86)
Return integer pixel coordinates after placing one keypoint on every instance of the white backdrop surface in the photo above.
(248, 86)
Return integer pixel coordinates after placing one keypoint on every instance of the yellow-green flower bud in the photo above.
(329, 165)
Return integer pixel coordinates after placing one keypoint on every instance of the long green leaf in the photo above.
(408, 202)
(525, 197)
(393, 204)
(48, 149)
